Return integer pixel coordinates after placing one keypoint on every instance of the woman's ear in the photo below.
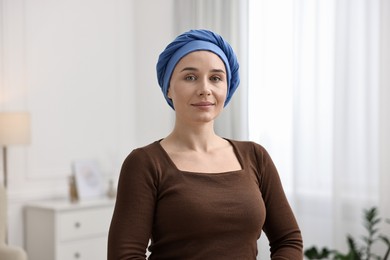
(169, 94)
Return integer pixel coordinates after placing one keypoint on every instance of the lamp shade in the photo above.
(14, 128)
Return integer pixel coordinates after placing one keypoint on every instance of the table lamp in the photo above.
(14, 130)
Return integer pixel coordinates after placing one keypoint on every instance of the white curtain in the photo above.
(315, 91)
(384, 109)
(318, 101)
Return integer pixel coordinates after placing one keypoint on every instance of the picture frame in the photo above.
(88, 179)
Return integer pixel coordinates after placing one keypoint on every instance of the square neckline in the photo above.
(235, 150)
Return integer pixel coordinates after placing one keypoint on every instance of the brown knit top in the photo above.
(189, 215)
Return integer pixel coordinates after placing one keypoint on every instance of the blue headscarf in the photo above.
(197, 40)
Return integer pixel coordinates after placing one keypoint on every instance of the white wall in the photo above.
(85, 70)
(154, 29)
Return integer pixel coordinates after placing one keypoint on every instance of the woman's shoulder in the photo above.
(250, 150)
(151, 147)
(247, 145)
(146, 152)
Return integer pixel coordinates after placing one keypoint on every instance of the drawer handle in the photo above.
(77, 255)
(77, 225)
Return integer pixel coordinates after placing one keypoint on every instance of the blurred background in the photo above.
(315, 92)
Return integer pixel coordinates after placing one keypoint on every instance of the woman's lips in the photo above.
(203, 104)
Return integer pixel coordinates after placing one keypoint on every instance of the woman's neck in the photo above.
(197, 138)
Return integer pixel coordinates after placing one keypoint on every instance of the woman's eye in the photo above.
(216, 78)
(190, 78)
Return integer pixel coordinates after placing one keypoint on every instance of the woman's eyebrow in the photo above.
(195, 69)
(189, 69)
(218, 71)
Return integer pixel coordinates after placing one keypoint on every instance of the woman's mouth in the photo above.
(203, 104)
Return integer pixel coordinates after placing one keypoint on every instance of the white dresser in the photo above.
(60, 230)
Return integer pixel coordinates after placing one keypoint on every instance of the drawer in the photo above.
(83, 223)
(87, 249)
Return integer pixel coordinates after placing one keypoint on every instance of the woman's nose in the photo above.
(205, 92)
(204, 88)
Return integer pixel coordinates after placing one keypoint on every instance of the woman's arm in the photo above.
(132, 220)
(280, 225)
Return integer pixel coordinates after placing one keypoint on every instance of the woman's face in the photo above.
(198, 87)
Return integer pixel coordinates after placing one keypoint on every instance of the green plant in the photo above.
(356, 252)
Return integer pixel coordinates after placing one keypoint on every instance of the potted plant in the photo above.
(356, 251)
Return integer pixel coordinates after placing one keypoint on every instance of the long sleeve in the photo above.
(132, 221)
(280, 225)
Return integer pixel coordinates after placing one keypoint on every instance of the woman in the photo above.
(195, 194)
